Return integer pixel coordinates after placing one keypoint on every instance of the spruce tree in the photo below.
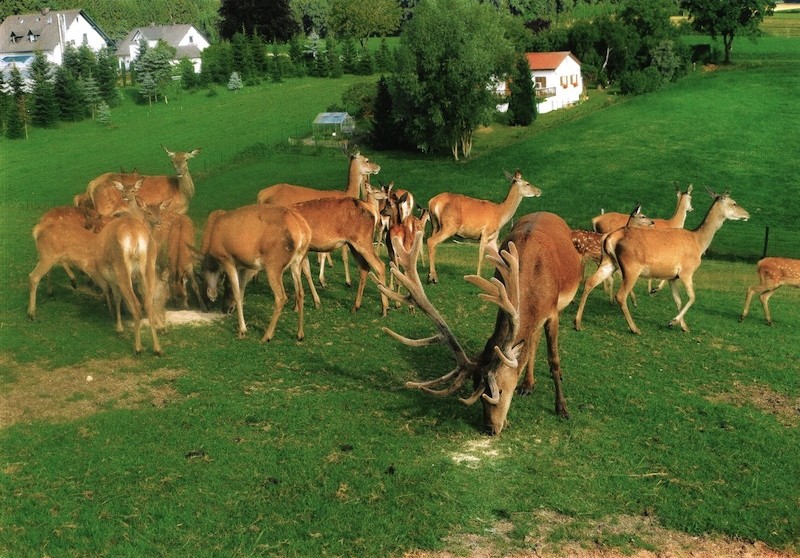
(44, 109)
(349, 55)
(106, 76)
(148, 89)
(189, 79)
(4, 103)
(15, 123)
(91, 93)
(365, 65)
(384, 130)
(276, 66)
(103, 114)
(235, 82)
(522, 105)
(383, 57)
(69, 96)
(333, 61)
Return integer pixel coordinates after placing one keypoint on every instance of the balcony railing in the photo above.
(545, 92)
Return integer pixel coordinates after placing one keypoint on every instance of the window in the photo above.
(85, 39)
(539, 83)
(191, 38)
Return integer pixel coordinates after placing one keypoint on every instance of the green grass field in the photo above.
(225, 447)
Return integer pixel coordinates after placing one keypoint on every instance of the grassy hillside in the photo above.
(228, 447)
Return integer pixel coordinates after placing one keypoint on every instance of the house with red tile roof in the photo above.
(557, 80)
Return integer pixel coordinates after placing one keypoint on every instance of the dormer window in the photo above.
(191, 38)
(15, 38)
(32, 36)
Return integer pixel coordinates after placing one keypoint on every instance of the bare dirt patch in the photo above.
(784, 408)
(68, 393)
(645, 539)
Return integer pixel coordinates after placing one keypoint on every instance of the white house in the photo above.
(49, 31)
(557, 79)
(186, 39)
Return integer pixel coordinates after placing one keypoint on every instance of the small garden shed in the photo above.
(333, 124)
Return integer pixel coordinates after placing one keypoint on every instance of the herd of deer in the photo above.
(127, 229)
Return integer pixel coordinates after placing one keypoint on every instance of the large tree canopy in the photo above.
(356, 19)
(271, 19)
(449, 52)
(728, 18)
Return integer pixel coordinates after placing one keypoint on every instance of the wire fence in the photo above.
(743, 241)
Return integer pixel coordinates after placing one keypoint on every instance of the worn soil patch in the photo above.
(63, 394)
(784, 408)
(634, 537)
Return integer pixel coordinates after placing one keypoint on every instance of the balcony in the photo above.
(545, 92)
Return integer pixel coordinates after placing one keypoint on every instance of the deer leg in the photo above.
(628, 282)
(346, 264)
(527, 385)
(125, 290)
(553, 358)
(604, 271)
(148, 286)
(760, 288)
(35, 276)
(689, 286)
(321, 257)
(765, 303)
(307, 273)
(72, 280)
(377, 266)
(233, 282)
(299, 294)
(196, 289)
(275, 279)
(433, 241)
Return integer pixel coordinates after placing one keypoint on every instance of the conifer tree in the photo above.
(189, 78)
(522, 105)
(334, 63)
(383, 57)
(106, 76)
(69, 96)
(365, 65)
(15, 123)
(349, 55)
(103, 114)
(91, 93)
(235, 82)
(385, 134)
(4, 102)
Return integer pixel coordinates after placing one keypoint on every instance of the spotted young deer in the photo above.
(537, 274)
(248, 239)
(773, 273)
(672, 254)
(107, 199)
(466, 217)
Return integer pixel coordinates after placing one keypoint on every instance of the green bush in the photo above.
(641, 81)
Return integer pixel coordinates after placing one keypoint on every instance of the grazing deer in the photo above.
(672, 254)
(338, 222)
(537, 274)
(609, 222)
(458, 215)
(115, 258)
(589, 245)
(251, 238)
(154, 189)
(772, 274)
(403, 206)
(175, 238)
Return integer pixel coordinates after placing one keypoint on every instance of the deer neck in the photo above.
(712, 222)
(678, 218)
(186, 185)
(509, 206)
(355, 180)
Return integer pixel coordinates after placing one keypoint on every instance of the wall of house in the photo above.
(81, 32)
(568, 83)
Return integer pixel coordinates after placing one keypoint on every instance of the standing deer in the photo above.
(122, 254)
(609, 222)
(338, 222)
(251, 238)
(175, 238)
(537, 274)
(772, 274)
(154, 189)
(458, 215)
(672, 254)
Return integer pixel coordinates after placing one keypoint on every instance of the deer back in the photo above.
(334, 221)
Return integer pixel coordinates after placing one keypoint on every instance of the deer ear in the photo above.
(508, 175)
(689, 189)
(193, 152)
(118, 185)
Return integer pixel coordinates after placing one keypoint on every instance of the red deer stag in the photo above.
(672, 254)
(251, 238)
(537, 274)
(122, 254)
(154, 189)
(458, 215)
(338, 222)
(772, 274)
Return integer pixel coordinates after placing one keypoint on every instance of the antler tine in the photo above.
(505, 294)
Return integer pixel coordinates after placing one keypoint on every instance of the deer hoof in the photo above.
(524, 390)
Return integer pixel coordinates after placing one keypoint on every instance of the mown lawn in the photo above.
(314, 448)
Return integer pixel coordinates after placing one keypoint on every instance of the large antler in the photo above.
(494, 291)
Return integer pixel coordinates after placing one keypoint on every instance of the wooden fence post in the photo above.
(766, 242)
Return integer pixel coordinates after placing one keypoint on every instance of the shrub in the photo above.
(639, 82)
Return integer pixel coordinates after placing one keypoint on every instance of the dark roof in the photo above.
(43, 26)
(170, 34)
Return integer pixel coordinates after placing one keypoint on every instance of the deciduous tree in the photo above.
(728, 18)
(360, 20)
(271, 19)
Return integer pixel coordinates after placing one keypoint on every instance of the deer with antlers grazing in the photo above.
(773, 273)
(672, 254)
(458, 215)
(537, 274)
(248, 239)
(107, 199)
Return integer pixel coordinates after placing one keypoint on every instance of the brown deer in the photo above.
(175, 238)
(154, 189)
(458, 215)
(122, 254)
(609, 222)
(589, 245)
(672, 254)
(772, 274)
(537, 274)
(288, 194)
(251, 238)
(338, 222)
